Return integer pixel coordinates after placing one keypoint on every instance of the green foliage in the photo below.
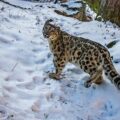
(94, 4)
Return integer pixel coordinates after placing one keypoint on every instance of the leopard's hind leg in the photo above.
(95, 78)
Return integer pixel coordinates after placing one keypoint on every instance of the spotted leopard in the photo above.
(90, 56)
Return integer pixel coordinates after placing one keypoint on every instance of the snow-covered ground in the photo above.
(26, 92)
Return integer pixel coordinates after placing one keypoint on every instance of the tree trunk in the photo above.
(111, 11)
(108, 9)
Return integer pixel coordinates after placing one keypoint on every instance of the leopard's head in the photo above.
(50, 31)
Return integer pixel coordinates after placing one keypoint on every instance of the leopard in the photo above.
(92, 57)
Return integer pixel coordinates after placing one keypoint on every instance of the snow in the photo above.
(26, 91)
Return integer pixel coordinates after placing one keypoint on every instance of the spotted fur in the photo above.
(90, 56)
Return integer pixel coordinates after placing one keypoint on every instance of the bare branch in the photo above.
(13, 5)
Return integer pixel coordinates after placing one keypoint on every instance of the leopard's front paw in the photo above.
(54, 76)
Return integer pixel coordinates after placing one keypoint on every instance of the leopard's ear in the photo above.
(50, 20)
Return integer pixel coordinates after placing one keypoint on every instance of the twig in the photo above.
(14, 67)
(13, 5)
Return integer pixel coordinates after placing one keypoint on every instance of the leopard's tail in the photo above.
(110, 71)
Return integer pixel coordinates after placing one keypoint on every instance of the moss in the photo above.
(94, 4)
